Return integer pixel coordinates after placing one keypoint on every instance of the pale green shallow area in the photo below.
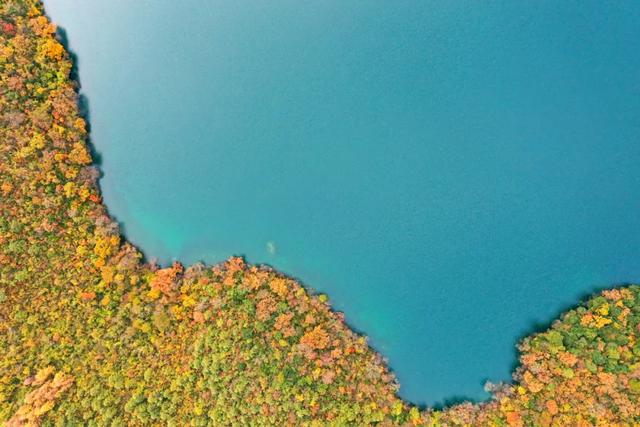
(452, 174)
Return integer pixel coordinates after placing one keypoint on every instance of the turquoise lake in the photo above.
(453, 175)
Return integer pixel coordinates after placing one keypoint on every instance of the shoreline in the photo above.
(302, 356)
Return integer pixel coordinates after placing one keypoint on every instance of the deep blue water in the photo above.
(452, 174)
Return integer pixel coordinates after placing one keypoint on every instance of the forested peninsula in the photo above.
(92, 335)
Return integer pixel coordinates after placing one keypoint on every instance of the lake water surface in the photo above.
(452, 174)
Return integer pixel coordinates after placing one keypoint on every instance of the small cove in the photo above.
(450, 176)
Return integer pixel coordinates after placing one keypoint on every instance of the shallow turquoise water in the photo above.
(453, 175)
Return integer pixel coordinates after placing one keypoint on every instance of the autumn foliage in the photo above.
(90, 335)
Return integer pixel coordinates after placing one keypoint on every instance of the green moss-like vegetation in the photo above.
(89, 335)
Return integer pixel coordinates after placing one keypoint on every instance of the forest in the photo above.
(92, 335)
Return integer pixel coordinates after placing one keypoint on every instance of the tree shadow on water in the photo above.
(534, 326)
(84, 111)
(83, 100)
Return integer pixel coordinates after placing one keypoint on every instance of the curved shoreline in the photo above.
(250, 337)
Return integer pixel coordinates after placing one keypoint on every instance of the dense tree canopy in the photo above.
(91, 335)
